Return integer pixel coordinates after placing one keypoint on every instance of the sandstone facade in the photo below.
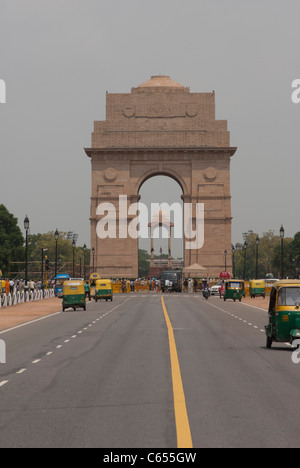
(161, 128)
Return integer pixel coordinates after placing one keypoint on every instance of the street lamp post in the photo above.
(293, 267)
(56, 236)
(26, 226)
(245, 251)
(256, 269)
(84, 250)
(233, 262)
(74, 245)
(282, 237)
(42, 267)
(93, 252)
(225, 256)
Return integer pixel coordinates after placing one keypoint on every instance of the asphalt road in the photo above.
(103, 378)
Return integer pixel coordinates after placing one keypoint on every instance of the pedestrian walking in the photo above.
(11, 286)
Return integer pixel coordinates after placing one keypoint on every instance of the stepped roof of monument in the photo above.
(161, 81)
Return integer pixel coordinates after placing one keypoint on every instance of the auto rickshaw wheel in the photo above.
(269, 342)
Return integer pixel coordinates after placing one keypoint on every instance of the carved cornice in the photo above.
(158, 154)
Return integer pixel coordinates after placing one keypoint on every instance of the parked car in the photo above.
(214, 290)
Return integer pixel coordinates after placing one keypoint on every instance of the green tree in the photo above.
(11, 240)
(269, 256)
(144, 263)
(47, 241)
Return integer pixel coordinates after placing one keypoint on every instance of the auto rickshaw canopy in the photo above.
(104, 284)
(257, 283)
(73, 287)
(234, 284)
(287, 292)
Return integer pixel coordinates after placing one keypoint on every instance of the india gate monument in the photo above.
(161, 128)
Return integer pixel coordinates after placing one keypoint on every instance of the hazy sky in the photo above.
(59, 57)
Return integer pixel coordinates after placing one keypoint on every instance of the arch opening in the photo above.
(163, 249)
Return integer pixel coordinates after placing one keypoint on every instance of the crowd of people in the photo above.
(9, 286)
(190, 285)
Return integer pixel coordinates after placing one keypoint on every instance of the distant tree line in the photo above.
(12, 245)
(12, 249)
(268, 254)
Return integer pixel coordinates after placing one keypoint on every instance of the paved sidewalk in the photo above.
(22, 313)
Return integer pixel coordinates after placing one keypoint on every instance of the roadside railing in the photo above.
(7, 300)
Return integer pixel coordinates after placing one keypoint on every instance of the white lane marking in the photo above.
(21, 371)
(254, 307)
(236, 317)
(4, 382)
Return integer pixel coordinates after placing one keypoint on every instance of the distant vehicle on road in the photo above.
(284, 313)
(215, 290)
(74, 295)
(234, 289)
(257, 288)
(175, 277)
(59, 281)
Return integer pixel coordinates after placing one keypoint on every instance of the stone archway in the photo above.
(160, 128)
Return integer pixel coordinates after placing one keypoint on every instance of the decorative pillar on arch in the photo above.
(160, 220)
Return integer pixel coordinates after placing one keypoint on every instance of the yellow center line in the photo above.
(184, 438)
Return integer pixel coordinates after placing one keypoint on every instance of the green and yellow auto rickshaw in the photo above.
(93, 278)
(284, 312)
(257, 288)
(73, 295)
(234, 289)
(104, 290)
